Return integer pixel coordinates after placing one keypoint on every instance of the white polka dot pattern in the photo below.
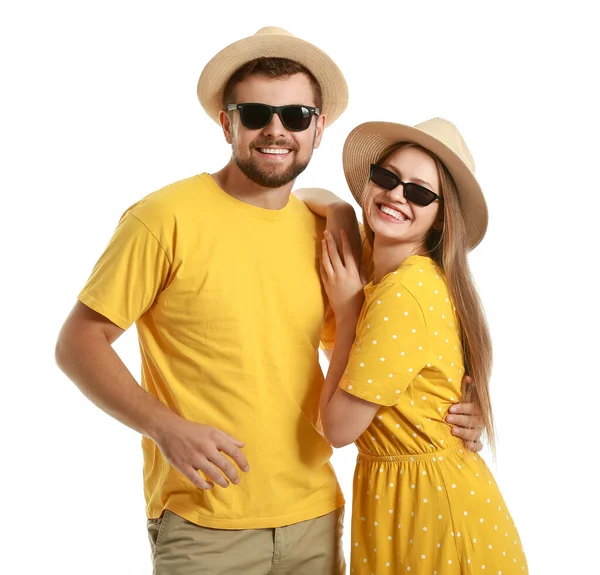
(422, 503)
(395, 326)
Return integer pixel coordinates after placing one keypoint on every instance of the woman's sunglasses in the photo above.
(295, 118)
(412, 192)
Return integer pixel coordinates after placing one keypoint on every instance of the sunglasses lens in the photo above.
(255, 116)
(296, 118)
(412, 192)
(418, 194)
(383, 178)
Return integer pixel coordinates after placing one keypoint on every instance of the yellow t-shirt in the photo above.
(228, 305)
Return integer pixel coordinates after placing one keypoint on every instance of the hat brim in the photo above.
(368, 142)
(217, 72)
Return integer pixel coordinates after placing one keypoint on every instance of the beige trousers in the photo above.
(312, 547)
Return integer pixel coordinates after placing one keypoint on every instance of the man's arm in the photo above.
(339, 215)
(320, 200)
(466, 419)
(85, 354)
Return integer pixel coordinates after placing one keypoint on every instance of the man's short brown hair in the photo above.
(270, 68)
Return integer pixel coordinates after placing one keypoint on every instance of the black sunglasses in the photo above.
(295, 118)
(412, 192)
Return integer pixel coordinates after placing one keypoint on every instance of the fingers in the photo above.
(332, 250)
(197, 450)
(217, 468)
(325, 278)
(225, 466)
(207, 467)
(475, 446)
(193, 475)
(461, 420)
(466, 434)
(326, 261)
(234, 452)
(237, 442)
(464, 409)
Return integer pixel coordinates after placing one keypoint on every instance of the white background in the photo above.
(98, 108)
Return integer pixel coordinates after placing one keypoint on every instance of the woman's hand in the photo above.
(341, 278)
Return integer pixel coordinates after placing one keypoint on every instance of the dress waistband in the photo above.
(433, 456)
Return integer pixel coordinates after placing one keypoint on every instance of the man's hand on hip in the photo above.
(193, 448)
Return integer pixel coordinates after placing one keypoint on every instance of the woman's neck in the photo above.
(389, 255)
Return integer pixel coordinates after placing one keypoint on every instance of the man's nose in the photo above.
(274, 128)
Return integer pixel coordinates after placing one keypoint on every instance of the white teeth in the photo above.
(273, 151)
(392, 213)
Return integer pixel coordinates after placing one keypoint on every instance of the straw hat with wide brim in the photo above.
(271, 42)
(369, 142)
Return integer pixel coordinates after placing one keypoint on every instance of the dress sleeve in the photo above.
(390, 347)
(129, 275)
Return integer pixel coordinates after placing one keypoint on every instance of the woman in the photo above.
(422, 502)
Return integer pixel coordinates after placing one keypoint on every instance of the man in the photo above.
(219, 272)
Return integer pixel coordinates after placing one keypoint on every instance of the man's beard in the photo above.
(270, 179)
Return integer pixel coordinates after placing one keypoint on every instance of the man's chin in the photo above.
(275, 177)
(270, 181)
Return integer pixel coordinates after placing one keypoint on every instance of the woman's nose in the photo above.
(397, 194)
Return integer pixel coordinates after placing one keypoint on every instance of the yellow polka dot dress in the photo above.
(422, 503)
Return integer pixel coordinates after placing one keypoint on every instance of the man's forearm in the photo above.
(338, 213)
(320, 201)
(94, 366)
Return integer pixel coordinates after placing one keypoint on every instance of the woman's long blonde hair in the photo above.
(448, 247)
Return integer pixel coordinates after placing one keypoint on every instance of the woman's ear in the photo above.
(438, 223)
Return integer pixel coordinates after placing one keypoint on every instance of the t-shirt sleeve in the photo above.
(129, 275)
(390, 347)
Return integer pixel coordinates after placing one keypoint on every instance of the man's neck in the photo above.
(235, 183)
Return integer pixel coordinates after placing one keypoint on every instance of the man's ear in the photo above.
(226, 125)
(320, 126)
